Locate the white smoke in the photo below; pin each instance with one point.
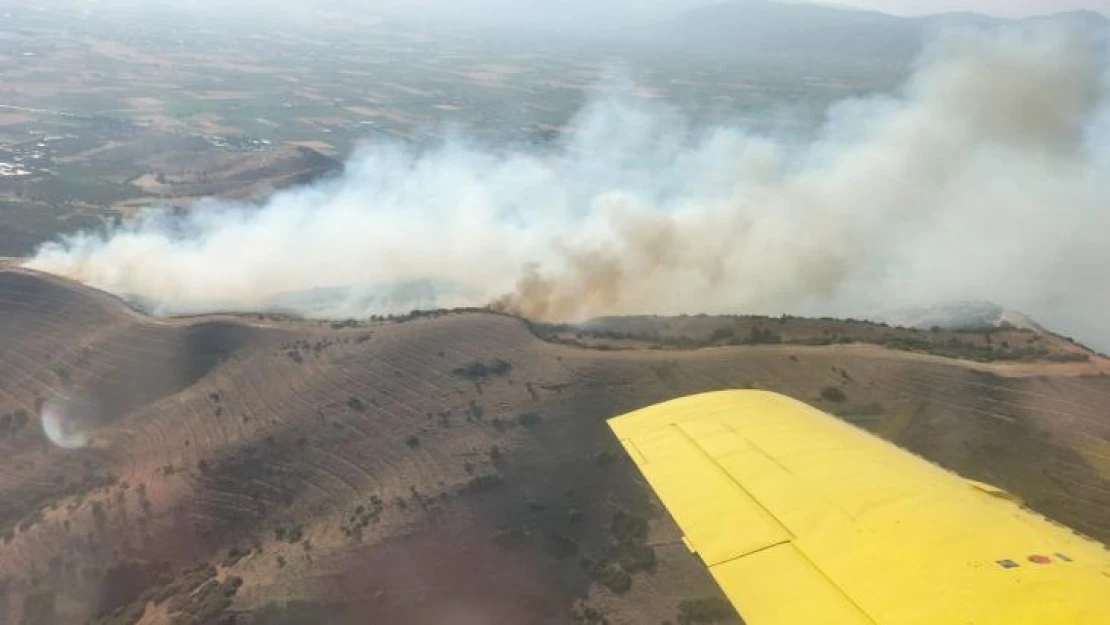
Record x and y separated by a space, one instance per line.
983 178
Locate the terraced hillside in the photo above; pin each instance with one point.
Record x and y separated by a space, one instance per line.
446 468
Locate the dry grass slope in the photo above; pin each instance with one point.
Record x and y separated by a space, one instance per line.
444 468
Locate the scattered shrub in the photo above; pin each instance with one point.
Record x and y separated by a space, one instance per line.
234 555
628 529
560 547
707 610
722 334
1069 357
763 336
605 457
609 575
483 483
635 558
480 371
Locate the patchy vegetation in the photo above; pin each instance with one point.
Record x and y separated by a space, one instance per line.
12 423
706 610
585 614
187 583
872 409
195 596
483 483
513 537
292 535
1004 343
23 510
234 555
1068 357
479 371
496 456
967 350
605 457
628 529
295 613
627 554
608 574
560 546
362 516
529 420
336 482
207 602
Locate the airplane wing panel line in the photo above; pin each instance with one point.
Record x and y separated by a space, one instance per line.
797 552
750 553
804 519
634 451
699 489
732 478
777 586
773 460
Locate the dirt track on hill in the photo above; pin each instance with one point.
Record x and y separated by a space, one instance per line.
355 469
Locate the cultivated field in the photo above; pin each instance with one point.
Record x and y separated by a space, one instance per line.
431 469
102 114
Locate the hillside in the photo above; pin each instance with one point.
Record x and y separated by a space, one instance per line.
446 467
1001 342
236 174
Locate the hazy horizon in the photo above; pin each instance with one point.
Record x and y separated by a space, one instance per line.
994 8
579 14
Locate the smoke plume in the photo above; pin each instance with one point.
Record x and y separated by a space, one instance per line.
983 177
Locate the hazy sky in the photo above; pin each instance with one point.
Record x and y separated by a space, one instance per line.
1007 8
563 13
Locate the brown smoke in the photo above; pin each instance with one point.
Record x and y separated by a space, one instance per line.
982 178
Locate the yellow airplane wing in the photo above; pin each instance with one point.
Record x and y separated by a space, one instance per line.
804 519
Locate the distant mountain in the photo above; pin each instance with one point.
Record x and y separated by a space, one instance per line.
965 18
1093 18
958 316
768 30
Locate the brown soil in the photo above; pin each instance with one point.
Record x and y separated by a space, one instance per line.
372 473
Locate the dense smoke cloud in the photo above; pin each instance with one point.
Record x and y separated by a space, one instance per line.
983 178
